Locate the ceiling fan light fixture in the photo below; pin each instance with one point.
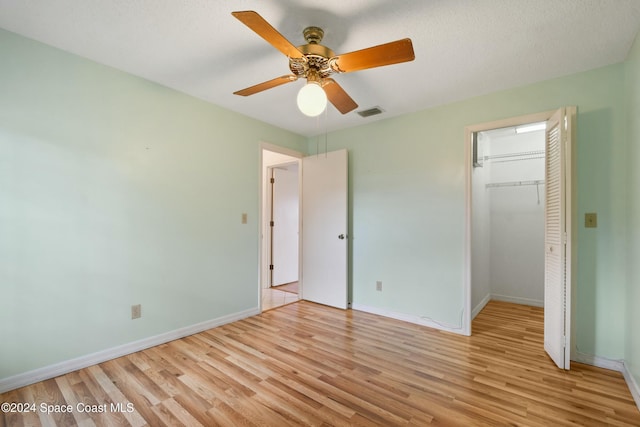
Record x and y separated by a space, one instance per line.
312 99
316 63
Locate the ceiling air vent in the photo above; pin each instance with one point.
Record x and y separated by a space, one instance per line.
370 112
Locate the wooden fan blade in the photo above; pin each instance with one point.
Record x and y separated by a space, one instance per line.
266 85
261 27
338 97
376 56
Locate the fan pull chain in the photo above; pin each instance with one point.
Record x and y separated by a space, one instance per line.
326 125
317 136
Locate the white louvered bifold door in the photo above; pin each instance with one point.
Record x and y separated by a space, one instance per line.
555 277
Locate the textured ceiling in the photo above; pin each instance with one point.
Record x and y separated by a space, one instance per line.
463 48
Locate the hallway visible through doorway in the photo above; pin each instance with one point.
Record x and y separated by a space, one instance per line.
277 296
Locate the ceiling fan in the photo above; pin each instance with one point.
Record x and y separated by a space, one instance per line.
317 63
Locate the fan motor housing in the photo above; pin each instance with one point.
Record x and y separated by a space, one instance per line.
316 49
316 57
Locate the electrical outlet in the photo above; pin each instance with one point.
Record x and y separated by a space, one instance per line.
136 311
244 218
378 285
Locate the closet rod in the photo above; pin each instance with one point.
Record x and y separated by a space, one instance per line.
515 183
514 157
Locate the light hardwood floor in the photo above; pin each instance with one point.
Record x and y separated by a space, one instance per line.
305 364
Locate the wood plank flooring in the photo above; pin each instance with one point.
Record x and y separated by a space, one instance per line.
306 364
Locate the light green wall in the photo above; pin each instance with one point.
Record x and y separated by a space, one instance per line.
632 88
407 185
117 191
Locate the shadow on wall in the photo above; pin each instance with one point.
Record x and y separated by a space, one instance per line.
598 252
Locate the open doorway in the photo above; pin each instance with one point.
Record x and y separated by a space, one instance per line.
493 258
280 225
322 208
508 216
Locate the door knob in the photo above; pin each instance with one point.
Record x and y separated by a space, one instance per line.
341 237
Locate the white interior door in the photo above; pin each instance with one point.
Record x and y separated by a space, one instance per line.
557 272
284 237
324 229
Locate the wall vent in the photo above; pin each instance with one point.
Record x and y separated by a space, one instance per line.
370 112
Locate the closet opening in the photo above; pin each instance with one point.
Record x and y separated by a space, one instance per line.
519 233
508 214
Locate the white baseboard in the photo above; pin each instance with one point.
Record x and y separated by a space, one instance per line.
597 361
518 300
614 365
634 388
57 369
409 318
478 308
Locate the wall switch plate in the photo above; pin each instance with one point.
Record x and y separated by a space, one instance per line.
136 311
591 220
244 218
378 285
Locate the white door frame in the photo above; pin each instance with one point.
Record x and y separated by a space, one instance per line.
262 265
571 205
